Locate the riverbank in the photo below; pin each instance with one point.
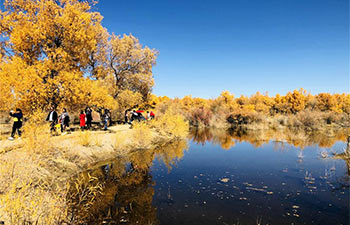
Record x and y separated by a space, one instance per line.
36 170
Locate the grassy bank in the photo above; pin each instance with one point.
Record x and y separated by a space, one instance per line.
36 170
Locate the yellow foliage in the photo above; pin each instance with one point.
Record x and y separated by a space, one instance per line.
32 203
292 102
84 138
128 99
141 136
36 134
131 65
58 53
171 124
216 112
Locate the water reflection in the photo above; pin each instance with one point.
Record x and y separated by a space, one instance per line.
207 185
228 138
121 191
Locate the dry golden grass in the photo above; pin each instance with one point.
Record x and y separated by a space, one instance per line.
120 141
84 138
141 136
32 203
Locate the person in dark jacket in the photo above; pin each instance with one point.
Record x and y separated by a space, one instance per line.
126 116
134 116
64 120
17 123
52 117
88 113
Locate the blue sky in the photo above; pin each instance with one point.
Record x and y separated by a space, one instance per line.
242 46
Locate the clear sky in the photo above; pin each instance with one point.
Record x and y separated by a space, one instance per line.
243 46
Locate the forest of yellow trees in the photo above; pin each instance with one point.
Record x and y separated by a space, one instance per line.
297 109
57 53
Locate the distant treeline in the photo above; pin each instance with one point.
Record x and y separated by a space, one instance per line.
295 109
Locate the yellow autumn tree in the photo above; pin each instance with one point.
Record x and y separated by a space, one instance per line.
292 102
46 47
262 103
326 102
130 66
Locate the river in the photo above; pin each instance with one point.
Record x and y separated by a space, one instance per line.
221 177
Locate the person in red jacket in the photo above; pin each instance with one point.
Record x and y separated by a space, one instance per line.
152 115
82 119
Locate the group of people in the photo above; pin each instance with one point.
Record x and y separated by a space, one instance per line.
131 115
58 121
61 121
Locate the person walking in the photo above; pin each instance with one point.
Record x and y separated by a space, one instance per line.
82 120
64 119
17 123
52 117
88 113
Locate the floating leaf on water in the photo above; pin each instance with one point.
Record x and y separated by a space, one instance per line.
224 180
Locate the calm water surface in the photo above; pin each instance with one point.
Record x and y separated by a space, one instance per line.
227 180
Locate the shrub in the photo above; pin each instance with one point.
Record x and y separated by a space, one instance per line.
141 136
200 116
170 124
36 134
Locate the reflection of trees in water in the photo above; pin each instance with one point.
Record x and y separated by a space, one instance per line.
127 193
227 138
345 181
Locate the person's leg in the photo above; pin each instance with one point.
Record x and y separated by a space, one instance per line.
52 126
105 127
19 130
13 130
